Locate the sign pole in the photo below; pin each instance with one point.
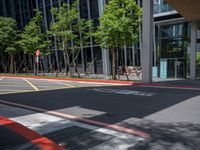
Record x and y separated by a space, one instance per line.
37 53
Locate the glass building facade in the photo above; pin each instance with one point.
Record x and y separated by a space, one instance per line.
20 10
174 40
171 39
161 6
90 57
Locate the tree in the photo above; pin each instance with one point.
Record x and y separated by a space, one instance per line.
67 27
198 58
32 37
8 38
119 26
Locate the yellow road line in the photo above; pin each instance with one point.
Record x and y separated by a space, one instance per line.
33 86
66 84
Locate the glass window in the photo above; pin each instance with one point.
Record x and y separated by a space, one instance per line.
83 9
94 10
172 30
161 6
173 48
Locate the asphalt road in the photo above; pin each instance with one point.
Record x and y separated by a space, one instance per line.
162 112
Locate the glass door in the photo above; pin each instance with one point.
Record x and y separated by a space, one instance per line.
180 68
171 68
176 68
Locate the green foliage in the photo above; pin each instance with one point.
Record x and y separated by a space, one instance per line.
8 35
68 25
198 58
119 24
32 37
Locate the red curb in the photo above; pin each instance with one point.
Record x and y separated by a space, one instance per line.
73 79
32 136
84 120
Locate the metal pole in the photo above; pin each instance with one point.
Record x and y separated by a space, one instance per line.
193 50
105 52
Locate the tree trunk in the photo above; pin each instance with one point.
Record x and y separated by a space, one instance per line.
11 63
65 62
15 65
113 51
4 66
76 69
69 65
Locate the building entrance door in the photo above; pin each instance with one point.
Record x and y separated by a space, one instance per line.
176 68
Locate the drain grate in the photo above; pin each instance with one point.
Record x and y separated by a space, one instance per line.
77 138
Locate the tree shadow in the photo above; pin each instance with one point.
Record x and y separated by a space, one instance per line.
169 136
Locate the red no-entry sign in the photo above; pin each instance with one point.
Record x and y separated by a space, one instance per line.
37 53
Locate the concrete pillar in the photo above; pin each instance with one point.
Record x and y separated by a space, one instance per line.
37 5
91 40
106 62
147 41
193 50
55 41
105 52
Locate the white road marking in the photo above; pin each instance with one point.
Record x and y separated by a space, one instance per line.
44 124
169 87
1 78
124 92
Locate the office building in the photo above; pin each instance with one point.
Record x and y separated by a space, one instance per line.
171 38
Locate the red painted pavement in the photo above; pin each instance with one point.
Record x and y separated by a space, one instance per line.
32 136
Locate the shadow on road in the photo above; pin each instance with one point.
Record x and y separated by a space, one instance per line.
115 107
168 136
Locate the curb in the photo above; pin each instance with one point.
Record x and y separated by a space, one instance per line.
114 82
74 79
30 135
